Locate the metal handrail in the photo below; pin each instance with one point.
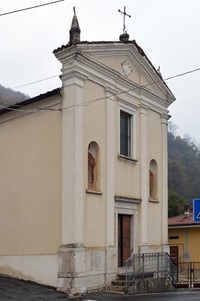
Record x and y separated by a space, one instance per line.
157 265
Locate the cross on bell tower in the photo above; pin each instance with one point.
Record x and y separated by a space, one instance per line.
125 36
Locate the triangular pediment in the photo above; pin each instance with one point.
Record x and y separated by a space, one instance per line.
130 62
125 61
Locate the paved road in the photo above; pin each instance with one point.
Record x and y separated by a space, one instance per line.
17 290
180 295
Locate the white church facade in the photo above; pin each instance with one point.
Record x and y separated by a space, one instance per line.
84 168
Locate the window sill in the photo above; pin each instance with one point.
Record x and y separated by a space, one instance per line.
153 201
125 158
93 192
127 200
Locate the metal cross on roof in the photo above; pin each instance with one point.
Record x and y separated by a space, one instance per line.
74 9
125 14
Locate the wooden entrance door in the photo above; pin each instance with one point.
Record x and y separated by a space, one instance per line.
174 254
124 235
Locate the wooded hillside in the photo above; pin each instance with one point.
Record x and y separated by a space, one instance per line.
183 171
10 97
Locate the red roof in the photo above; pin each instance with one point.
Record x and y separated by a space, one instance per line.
182 220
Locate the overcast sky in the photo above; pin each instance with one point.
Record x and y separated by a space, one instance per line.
167 31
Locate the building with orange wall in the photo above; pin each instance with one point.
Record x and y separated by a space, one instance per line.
184 238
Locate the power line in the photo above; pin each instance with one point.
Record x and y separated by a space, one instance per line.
37 81
27 112
133 89
28 8
20 108
182 74
109 97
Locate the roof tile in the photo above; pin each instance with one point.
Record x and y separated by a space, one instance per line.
182 220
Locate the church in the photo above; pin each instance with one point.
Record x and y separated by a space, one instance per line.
84 168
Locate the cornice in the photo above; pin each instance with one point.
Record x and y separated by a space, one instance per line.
73 78
123 199
131 49
76 62
155 102
93 70
133 52
123 102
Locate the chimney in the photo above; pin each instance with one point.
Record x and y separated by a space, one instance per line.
186 210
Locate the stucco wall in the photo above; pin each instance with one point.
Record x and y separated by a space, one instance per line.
127 174
95 130
30 177
155 153
187 240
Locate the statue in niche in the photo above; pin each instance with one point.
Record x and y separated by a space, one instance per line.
152 185
91 171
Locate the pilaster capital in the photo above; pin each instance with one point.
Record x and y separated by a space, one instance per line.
164 119
73 78
110 92
144 109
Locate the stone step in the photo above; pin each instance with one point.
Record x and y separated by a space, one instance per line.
117 288
121 276
119 282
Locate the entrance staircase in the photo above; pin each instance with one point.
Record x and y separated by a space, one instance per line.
150 272
147 272
119 284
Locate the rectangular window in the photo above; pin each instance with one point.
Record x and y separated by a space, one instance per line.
125 134
174 237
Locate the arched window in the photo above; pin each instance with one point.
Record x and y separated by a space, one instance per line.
93 166
153 180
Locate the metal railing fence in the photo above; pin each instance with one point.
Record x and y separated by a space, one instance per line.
189 274
146 265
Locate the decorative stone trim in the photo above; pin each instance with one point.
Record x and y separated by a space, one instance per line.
125 199
94 192
153 201
127 68
125 158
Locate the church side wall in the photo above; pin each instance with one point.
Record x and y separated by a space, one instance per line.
30 177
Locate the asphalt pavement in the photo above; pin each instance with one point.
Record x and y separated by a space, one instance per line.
12 289
179 295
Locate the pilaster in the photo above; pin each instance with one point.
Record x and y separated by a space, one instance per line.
144 175
72 161
164 123
110 167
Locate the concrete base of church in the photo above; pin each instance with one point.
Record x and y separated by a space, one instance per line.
165 248
145 248
38 268
82 269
